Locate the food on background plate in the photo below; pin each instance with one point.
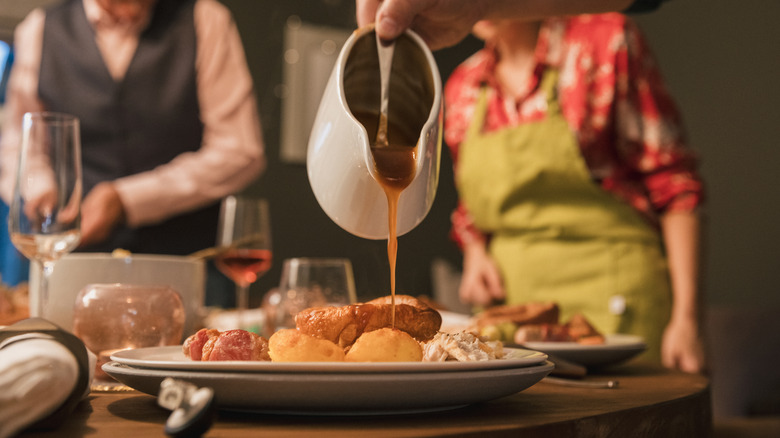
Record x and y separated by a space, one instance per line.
385 345
213 345
14 303
291 345
541 333
417 339
121 253
535 322
519 314
582 331
344 325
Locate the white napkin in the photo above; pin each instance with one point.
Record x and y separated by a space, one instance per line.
37 375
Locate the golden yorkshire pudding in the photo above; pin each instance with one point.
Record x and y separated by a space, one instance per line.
385 345
290 345
343 325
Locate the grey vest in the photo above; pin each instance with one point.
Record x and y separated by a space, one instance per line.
134 125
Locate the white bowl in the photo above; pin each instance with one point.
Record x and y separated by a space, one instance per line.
75 271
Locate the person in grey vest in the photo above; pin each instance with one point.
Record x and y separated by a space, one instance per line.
168 114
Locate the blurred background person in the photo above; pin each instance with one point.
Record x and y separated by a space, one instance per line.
575 181
169 119
444 23
14 267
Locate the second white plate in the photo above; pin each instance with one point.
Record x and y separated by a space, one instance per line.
616 348
343 393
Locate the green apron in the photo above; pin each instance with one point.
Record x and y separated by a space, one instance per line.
558 236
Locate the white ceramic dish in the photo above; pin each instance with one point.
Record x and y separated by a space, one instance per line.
616 348
172 358
315 393
75 271
452 322
339 162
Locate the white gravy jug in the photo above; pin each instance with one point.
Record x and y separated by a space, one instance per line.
340 163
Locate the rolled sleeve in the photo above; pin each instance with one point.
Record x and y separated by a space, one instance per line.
652 136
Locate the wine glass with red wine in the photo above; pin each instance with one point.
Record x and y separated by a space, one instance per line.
244 239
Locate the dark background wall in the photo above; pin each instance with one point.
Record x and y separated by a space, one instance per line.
720 61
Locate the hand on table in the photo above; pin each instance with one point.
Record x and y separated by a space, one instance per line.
481 283
40 205
682 347
101 212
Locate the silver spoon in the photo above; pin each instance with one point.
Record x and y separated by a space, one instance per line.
385 51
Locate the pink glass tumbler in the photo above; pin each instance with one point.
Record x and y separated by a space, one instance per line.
114 317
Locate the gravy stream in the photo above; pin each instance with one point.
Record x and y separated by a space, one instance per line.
395 165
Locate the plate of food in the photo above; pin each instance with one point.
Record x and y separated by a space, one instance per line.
537 326
615 349
366 358
326 393
351 339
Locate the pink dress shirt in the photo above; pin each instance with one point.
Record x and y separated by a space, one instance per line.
231 155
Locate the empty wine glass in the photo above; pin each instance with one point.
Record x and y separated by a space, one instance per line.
309 282
244 242
45 213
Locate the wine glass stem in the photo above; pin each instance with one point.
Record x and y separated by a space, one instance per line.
43 287
242 302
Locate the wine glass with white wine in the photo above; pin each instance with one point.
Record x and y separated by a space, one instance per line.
45 213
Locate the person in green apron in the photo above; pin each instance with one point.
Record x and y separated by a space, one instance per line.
575 183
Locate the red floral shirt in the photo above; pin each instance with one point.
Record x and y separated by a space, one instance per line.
614 99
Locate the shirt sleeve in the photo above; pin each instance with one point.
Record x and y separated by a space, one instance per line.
651 137
232 153
21 97
463 229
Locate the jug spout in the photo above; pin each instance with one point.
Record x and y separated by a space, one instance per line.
345 174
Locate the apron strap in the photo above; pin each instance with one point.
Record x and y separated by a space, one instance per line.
549 85
480 110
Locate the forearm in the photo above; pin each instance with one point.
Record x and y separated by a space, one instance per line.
488 9
537 9
190 181
683 341
443 23
681 236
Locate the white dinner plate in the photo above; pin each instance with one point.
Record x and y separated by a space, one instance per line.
327 393
172 358
615 349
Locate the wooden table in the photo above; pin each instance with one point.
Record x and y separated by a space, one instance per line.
649 402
